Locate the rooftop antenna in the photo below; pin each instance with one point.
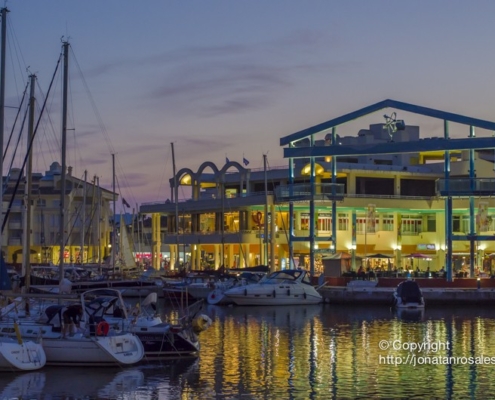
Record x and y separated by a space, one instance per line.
392 124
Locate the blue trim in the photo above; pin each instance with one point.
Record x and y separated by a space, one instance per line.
429 112
417 146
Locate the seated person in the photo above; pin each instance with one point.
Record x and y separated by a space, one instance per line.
71 317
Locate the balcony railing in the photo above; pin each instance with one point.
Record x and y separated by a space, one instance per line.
303 191
465 187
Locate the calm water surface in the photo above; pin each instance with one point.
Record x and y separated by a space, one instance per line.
300 352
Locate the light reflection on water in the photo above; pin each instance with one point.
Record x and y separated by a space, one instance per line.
300 352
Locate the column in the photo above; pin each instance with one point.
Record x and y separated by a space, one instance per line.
198 256
173 257
217 256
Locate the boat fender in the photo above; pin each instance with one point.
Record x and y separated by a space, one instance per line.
201 323
304 295
102 328
274 294
245 292
288 292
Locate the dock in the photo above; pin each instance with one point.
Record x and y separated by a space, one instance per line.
378 293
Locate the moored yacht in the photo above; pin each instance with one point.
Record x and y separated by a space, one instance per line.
160 339
408 294
20 355
286 287
93 344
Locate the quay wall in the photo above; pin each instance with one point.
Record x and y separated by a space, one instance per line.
422 282
365 295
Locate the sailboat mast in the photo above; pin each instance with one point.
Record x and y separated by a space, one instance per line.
114 241
176 200
3 12
83 218
265 238
64 161
98 214
26 249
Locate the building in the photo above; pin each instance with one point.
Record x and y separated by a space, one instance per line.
423 203
92 220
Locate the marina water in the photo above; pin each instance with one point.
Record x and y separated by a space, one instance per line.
300 352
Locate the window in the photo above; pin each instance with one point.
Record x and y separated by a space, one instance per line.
460 223
41 202
54 220
343 222
15 218
431 223
362 225
304 221
412 224
387 222
324 222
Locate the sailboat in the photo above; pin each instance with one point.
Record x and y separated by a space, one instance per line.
161 340
21 356
17 354
94 344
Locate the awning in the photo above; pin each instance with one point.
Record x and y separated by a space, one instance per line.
379 255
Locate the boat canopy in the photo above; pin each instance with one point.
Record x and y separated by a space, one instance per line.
409 290
288 275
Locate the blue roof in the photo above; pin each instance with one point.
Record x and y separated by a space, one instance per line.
429 112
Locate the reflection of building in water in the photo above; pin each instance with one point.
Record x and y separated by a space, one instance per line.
323 352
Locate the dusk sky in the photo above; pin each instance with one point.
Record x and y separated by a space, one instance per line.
229 78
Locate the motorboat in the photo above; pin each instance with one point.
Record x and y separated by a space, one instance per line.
285 287
20 355
408 294
195 286
93 344
160 339
217 295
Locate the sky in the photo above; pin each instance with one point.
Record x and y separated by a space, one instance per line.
228 79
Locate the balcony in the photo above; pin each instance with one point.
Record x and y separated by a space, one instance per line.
15 225
465 187
299 192
208 205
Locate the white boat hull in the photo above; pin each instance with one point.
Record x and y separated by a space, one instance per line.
410 305
277 295
94 351
79 349
217 297
28 356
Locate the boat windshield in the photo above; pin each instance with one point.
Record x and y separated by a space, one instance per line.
280 276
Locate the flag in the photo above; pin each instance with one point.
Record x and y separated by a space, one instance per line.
227 160
125 203
245 161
